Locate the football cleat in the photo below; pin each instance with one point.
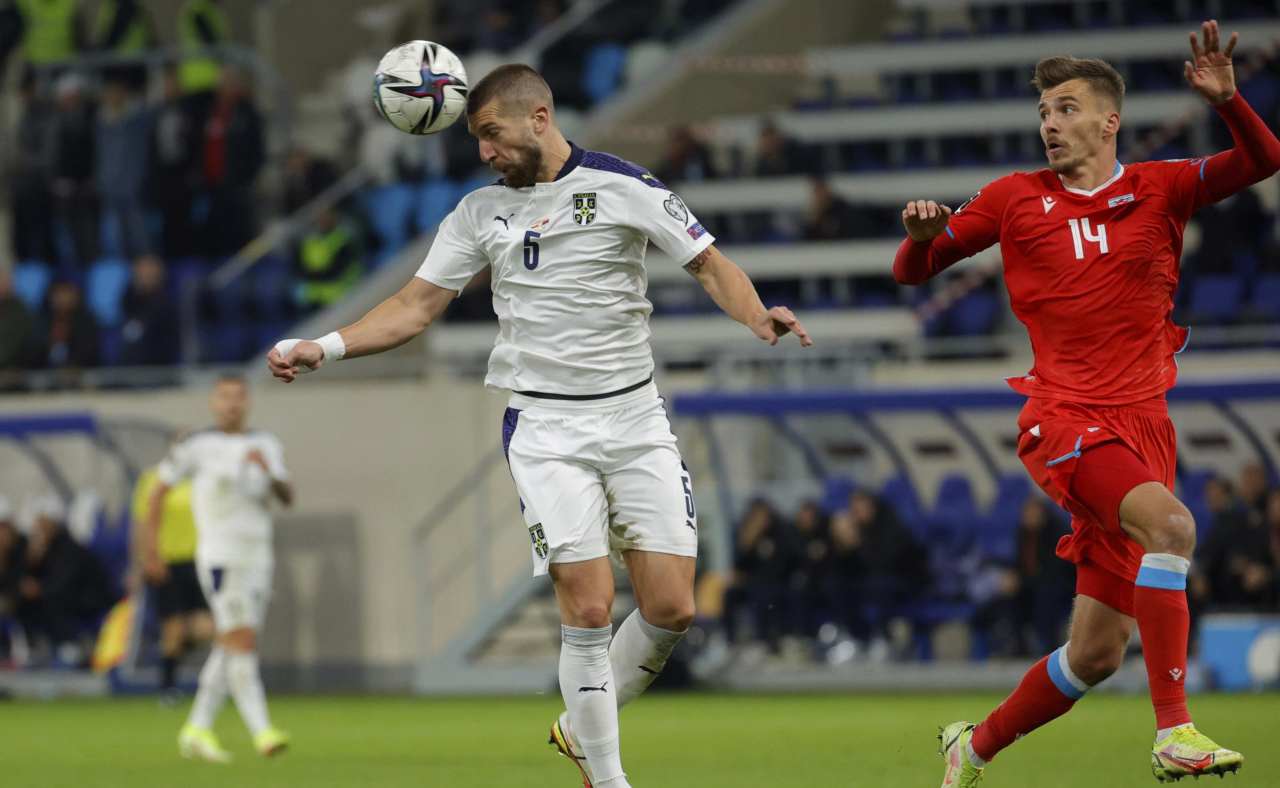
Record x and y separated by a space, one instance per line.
953 746
1188 752
271 742
562 739
199 744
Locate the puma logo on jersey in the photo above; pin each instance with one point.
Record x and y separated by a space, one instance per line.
1048 203
600 688
504 221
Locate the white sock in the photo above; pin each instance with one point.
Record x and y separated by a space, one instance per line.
1163 732
586 683
973 756
212 690
638 654
246 689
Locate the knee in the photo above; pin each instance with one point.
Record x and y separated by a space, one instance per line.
238 641
1175 533
1093 663
674 614
592 615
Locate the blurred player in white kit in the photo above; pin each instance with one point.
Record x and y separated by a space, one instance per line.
235 473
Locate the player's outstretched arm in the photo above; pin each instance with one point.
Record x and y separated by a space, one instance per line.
916 261
732 290
152 567
1256 154
388 325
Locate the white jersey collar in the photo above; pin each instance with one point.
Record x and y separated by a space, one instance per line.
1115 176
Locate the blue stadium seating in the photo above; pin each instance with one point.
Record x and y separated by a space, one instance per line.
1265 304
30 281
104 288
602 72
272 291
433 202
1216 298
898 493
389 209
974 314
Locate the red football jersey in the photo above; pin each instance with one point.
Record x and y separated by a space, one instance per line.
1092 274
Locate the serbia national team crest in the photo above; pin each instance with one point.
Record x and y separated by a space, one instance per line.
584 207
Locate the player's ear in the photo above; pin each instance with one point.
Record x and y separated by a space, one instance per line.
1111 122
541 119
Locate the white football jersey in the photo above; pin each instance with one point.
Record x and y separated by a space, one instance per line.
568 273
229 494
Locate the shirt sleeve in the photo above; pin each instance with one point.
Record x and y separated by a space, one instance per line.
455 255
178 464
273 452
662 217
1194 183
973 227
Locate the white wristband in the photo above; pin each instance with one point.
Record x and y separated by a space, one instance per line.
333 346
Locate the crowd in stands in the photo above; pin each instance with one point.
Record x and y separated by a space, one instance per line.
54 586
835 573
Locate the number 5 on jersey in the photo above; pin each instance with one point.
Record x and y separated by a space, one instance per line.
1082 232
531 249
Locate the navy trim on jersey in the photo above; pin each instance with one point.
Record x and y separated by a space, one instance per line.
586 397
607 162
571 164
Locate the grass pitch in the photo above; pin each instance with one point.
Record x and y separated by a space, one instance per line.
670 741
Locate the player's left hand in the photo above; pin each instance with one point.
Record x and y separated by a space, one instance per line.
1209 70
778 322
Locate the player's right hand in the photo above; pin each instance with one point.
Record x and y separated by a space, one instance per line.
925 219
292 357
155 570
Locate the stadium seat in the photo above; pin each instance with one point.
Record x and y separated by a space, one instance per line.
104 288
271 293
997 536
389 208
974 315
1216 298
603 70
30 281
899 493
433 202
1265 304
835 493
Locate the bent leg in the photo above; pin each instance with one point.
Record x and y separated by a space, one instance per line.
663 585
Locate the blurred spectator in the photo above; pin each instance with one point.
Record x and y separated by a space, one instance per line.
32 170
177 129
233 155
1029 604
201 24
17 332
52 32
1253 487
64 588
777 154
832 218
13 549
306 175
124 27
121 160
329 260
877 565
151 332
761 564
812 549
687 159
1237 557
1236 226
74 130
69 333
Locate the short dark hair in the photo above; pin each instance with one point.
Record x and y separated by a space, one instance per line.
1102 78
515 84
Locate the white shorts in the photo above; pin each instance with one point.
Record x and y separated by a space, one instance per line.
237 594
599 477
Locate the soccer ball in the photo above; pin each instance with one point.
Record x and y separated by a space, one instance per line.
420 87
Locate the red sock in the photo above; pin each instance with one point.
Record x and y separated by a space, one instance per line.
1160 605
1046 692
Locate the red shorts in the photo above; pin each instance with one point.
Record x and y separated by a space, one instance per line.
1087 458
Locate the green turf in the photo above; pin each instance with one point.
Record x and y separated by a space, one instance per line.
669 741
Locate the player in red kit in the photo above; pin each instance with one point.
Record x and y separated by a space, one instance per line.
1091 249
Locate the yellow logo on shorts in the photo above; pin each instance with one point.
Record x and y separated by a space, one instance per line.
539 539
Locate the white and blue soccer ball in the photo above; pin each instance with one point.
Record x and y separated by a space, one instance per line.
420 87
